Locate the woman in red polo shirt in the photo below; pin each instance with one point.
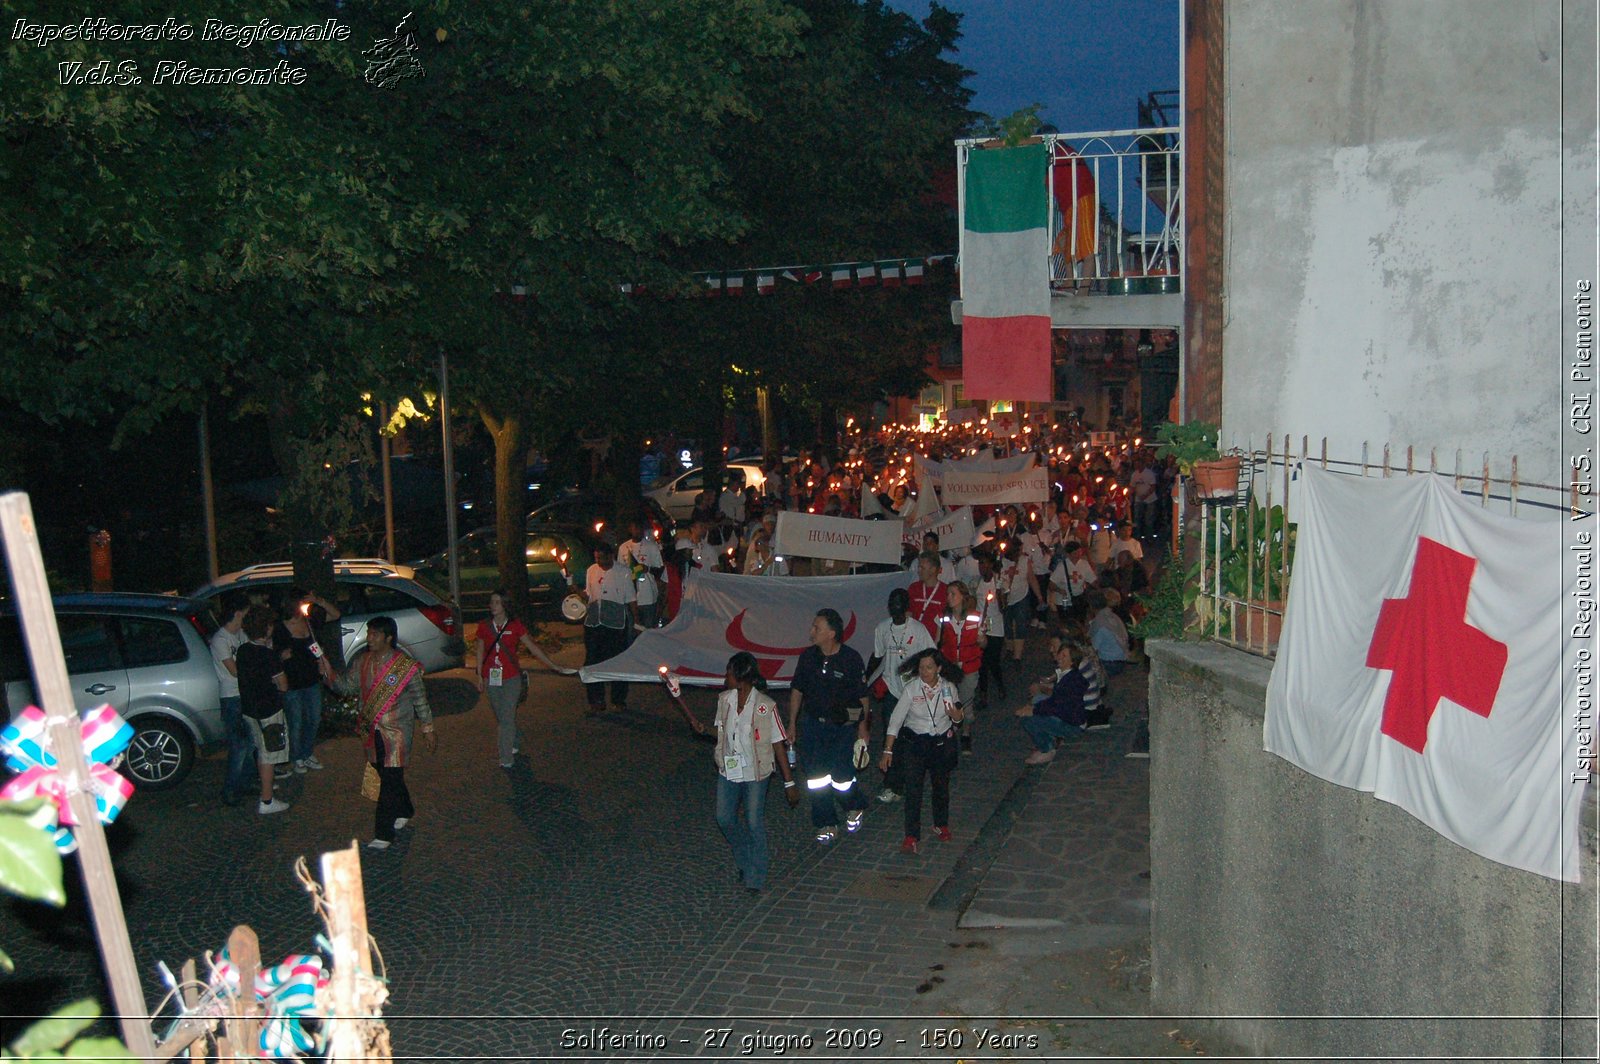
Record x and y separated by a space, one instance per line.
500 673
961 640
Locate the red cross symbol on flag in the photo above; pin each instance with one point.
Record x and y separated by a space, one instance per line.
1425 640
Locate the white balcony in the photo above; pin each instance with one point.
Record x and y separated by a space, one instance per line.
1115 221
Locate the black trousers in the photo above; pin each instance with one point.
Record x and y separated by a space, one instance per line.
394 800
600 644
993 655
920 760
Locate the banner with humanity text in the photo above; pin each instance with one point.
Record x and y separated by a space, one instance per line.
845 539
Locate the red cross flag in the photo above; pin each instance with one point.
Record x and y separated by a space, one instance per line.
1421 660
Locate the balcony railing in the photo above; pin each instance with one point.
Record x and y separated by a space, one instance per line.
1115 210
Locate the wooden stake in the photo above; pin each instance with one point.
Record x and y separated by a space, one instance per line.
355 1025
244 1026
43 639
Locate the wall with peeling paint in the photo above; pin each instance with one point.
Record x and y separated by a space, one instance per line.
1394 227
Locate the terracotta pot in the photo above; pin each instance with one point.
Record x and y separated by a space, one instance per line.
1218 479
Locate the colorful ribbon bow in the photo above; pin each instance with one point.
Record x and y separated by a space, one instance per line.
289 994
105 735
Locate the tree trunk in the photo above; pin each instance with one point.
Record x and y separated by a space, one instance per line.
510 506
716 414
770 445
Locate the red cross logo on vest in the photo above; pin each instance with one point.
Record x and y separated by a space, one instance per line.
1424 639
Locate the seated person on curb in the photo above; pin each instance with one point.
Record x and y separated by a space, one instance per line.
1058 712
1107 631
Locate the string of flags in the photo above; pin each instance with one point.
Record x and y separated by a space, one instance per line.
763 281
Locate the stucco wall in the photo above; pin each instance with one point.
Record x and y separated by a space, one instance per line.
1394 222
1277 894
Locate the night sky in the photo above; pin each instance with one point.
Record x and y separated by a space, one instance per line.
1087 61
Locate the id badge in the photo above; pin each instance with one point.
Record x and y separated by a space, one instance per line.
733 763
495 674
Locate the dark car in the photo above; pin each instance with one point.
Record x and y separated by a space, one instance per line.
594 513
148 658
557 557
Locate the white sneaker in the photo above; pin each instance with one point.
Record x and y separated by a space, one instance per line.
313 764
852 821
888 797
299 768
378 844
401 821
827 835
274 806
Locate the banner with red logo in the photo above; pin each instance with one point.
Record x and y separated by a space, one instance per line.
770 616
1421 660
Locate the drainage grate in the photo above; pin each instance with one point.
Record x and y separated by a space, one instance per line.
893 886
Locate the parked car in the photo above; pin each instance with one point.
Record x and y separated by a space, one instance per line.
594 513
429 626
148 658
677 495
557 557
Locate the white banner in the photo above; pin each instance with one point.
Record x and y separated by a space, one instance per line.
845 539
770 616
1421 660
954 529
986 489
929 471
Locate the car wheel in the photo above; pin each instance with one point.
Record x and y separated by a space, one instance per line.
160 755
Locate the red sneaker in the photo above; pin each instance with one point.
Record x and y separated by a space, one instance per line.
908 845
943 833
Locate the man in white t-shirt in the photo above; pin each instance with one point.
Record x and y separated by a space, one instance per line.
608 587
1126 544
642 555
239 776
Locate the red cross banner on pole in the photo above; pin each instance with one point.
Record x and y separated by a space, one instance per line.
1421 660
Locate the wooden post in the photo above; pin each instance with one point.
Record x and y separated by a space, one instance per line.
65 741
354 995
244 1026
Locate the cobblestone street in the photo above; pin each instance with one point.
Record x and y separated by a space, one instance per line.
588 888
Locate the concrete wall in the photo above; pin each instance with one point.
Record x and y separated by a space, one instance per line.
1277 894
1394 218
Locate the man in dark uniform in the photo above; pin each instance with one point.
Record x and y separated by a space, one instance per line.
830 683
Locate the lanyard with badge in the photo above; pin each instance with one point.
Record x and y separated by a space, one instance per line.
496 673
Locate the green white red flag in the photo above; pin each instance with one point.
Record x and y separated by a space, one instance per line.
1005 275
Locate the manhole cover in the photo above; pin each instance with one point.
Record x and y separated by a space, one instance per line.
893 886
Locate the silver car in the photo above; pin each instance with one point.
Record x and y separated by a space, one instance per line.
148 658
429 627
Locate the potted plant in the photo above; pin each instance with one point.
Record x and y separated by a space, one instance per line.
1249 562
1194 445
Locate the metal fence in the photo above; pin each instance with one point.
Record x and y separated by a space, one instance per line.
1115 210
1241 583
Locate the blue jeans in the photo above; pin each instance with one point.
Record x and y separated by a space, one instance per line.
824 753
302 710
1044 731
748 838
241 776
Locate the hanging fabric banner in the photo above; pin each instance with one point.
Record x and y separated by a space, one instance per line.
1421 660
1005 275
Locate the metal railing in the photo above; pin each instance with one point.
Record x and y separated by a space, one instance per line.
1115 210
1248 542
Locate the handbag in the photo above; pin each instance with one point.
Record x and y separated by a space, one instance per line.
370 783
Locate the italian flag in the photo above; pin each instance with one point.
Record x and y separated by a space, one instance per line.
1005 275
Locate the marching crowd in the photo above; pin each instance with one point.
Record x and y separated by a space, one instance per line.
1072 566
